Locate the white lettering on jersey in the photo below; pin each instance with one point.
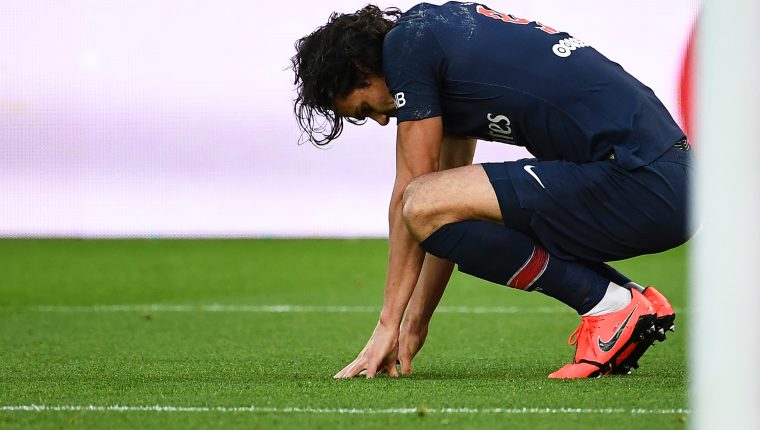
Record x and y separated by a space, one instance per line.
499 128
399 99
566 46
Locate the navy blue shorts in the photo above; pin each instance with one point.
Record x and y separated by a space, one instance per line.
597 211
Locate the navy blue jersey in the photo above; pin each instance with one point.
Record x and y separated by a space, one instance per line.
493 76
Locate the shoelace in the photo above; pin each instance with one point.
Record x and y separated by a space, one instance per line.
585 326
573 339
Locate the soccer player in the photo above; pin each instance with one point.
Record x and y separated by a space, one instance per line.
609 181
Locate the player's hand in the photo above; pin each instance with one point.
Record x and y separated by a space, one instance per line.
410 342
379 355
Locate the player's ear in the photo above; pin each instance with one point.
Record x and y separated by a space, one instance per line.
365 74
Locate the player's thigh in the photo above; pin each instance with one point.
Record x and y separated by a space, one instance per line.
459 194
595 211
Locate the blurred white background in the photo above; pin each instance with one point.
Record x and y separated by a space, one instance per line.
174 118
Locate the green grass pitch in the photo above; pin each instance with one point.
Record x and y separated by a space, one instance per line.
73 334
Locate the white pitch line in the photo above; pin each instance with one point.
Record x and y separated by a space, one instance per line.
288 309
343 411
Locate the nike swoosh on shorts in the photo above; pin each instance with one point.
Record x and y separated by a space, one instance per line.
529 168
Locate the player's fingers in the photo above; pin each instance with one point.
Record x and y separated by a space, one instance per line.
392 370
342 371
353 369
406 366
372 367
348 373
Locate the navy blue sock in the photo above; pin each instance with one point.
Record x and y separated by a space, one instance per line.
609 272
508 257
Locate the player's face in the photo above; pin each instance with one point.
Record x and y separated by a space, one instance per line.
370 101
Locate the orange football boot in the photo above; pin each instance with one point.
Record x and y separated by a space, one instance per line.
604 342
665 313
664 322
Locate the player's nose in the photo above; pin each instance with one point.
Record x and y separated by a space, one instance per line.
380 118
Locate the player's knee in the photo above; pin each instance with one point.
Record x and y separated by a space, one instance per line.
424 208
416 208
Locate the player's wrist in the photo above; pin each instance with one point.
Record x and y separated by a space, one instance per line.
389 322
413 324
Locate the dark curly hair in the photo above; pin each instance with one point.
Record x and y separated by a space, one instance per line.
333 61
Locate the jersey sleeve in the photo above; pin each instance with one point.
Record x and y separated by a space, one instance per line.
413 66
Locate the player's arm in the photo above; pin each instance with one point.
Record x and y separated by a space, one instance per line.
418 148
417 153
436 272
